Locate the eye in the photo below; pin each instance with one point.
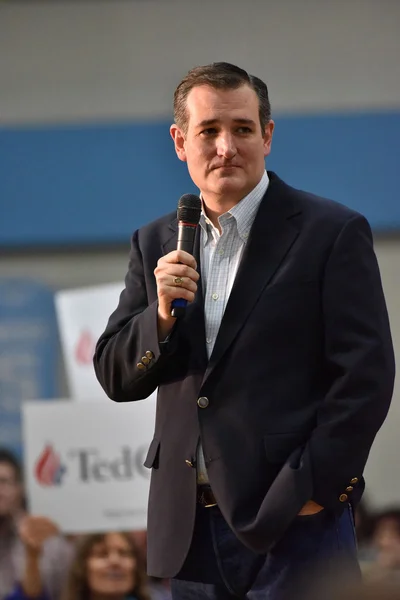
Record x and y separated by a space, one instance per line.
99 553
244 129
126 554
209 131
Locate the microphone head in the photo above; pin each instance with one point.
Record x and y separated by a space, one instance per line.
189 209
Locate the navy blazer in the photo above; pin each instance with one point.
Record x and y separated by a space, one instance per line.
299 381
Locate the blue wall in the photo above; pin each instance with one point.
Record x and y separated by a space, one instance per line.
95 184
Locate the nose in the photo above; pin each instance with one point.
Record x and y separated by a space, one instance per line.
226 146
114 558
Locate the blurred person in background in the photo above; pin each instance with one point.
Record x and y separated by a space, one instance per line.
273 385
107 566
386 543
32 553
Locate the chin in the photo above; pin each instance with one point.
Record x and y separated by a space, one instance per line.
117 589
232 185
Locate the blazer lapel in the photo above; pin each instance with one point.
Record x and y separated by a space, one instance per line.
271 238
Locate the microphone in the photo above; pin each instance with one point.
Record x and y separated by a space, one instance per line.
189 211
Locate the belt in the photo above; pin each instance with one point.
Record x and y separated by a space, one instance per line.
205 496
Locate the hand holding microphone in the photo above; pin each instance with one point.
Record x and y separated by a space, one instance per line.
176 274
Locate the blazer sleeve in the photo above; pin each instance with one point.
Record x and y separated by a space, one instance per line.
128 358
359 360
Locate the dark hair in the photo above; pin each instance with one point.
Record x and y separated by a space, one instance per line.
8 458
77 584
391 514
220 75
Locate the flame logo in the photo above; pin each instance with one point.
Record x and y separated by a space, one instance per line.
85 347
48 469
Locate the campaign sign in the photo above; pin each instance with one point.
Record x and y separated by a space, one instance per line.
28 352
84 463
82 317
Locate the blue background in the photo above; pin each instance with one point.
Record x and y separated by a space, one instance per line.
28 352
96 183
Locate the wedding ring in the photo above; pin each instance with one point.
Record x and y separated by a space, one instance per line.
178 281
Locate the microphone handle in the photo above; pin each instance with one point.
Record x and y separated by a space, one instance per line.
186 237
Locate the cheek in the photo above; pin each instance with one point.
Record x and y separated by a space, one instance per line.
199 154
8 499
14 496
130 569
94 572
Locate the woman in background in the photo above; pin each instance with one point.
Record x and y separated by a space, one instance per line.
105 566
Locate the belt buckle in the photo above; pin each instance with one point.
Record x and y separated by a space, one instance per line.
203 499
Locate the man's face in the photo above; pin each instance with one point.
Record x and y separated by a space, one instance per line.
224 146
10 491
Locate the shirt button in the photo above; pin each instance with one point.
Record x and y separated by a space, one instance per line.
203 402
208 340
220 252
215 296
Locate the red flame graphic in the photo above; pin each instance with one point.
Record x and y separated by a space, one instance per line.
85 347
47 466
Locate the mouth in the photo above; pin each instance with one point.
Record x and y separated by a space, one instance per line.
115 576
226 167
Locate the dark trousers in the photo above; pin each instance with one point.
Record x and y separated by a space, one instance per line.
220 567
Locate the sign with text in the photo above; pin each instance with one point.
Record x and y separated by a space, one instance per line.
84 463
82 317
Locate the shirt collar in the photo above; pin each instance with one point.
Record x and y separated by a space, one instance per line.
244 212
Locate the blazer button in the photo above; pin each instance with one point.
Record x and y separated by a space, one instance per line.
145 360
203 402
350 488
189 463
149 354
354 480
343 497
140 366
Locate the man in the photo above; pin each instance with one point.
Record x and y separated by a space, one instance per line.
273 385
32 555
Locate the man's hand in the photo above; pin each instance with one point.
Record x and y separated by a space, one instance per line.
34 531
310 508
176 277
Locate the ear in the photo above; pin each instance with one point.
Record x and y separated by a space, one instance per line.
269 130
179 141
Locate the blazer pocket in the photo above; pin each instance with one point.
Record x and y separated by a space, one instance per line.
279 446
153 454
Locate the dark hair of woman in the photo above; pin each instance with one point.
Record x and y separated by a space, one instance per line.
93 547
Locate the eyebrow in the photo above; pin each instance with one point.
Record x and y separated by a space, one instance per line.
209 122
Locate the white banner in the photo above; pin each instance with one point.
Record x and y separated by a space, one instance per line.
84 463
82 317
